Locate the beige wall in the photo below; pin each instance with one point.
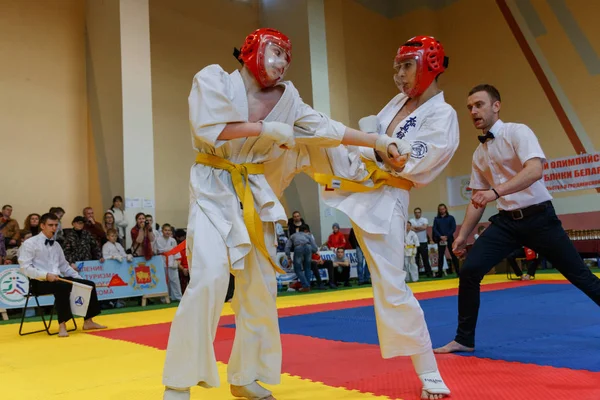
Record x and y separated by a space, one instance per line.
43 106
186 36
477 54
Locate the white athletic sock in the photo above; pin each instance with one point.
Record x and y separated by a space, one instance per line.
424 362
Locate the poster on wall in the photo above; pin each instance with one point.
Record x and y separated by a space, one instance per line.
572 173
565 174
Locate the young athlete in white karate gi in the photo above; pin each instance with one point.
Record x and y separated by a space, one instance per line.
427 125
243 126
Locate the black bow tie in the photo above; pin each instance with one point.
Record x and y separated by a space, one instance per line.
484 138
49 241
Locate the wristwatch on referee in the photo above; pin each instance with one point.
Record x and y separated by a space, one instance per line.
496 193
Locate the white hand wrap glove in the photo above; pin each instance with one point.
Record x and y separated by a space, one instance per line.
369 124
384 141
280 133
129 257
119 259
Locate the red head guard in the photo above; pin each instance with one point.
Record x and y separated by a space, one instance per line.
431 61
252 54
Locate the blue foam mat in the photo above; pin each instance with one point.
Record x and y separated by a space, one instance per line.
544 324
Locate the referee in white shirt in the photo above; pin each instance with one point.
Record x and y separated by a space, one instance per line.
43 261
508 168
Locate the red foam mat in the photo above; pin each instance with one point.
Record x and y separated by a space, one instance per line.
360 367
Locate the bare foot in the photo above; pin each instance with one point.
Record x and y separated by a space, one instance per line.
453 347
433 386
90 325
252 391
62 330
429 396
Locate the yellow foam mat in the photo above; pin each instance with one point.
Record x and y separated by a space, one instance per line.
42 367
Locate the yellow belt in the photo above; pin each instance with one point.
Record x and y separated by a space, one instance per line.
239 176
378 176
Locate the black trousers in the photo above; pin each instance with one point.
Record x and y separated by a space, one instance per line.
520 253
442 255
61 292
328 265
423 253
543 233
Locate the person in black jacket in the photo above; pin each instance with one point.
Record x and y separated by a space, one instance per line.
444 226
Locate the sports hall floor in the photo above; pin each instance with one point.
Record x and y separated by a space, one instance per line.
536 340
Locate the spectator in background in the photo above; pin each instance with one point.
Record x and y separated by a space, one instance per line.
10 229
31 224
59 235
113 250
93 227
80 245
184 273
362 269
304 246
419 226
164 243
444 226
318 263
341 265
142 237
295 223
336 239
119 219
411 244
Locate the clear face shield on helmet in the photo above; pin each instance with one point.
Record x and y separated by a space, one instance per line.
406 73
275 58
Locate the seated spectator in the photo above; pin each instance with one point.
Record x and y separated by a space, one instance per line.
304 246
164 243
341 265
44 264
318 263
2 249
94 228
112 250
31 225
10 229
80 245
336 239
108 222
142 237
59 235
531 259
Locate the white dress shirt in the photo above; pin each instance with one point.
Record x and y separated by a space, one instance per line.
500 159
36 259
422 235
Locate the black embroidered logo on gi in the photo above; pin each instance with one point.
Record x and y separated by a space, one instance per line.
419 149
410 123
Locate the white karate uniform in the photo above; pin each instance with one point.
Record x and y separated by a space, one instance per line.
113 251
163 245
217 237
379 216
410 264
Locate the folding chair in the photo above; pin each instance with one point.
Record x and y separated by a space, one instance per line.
46 326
